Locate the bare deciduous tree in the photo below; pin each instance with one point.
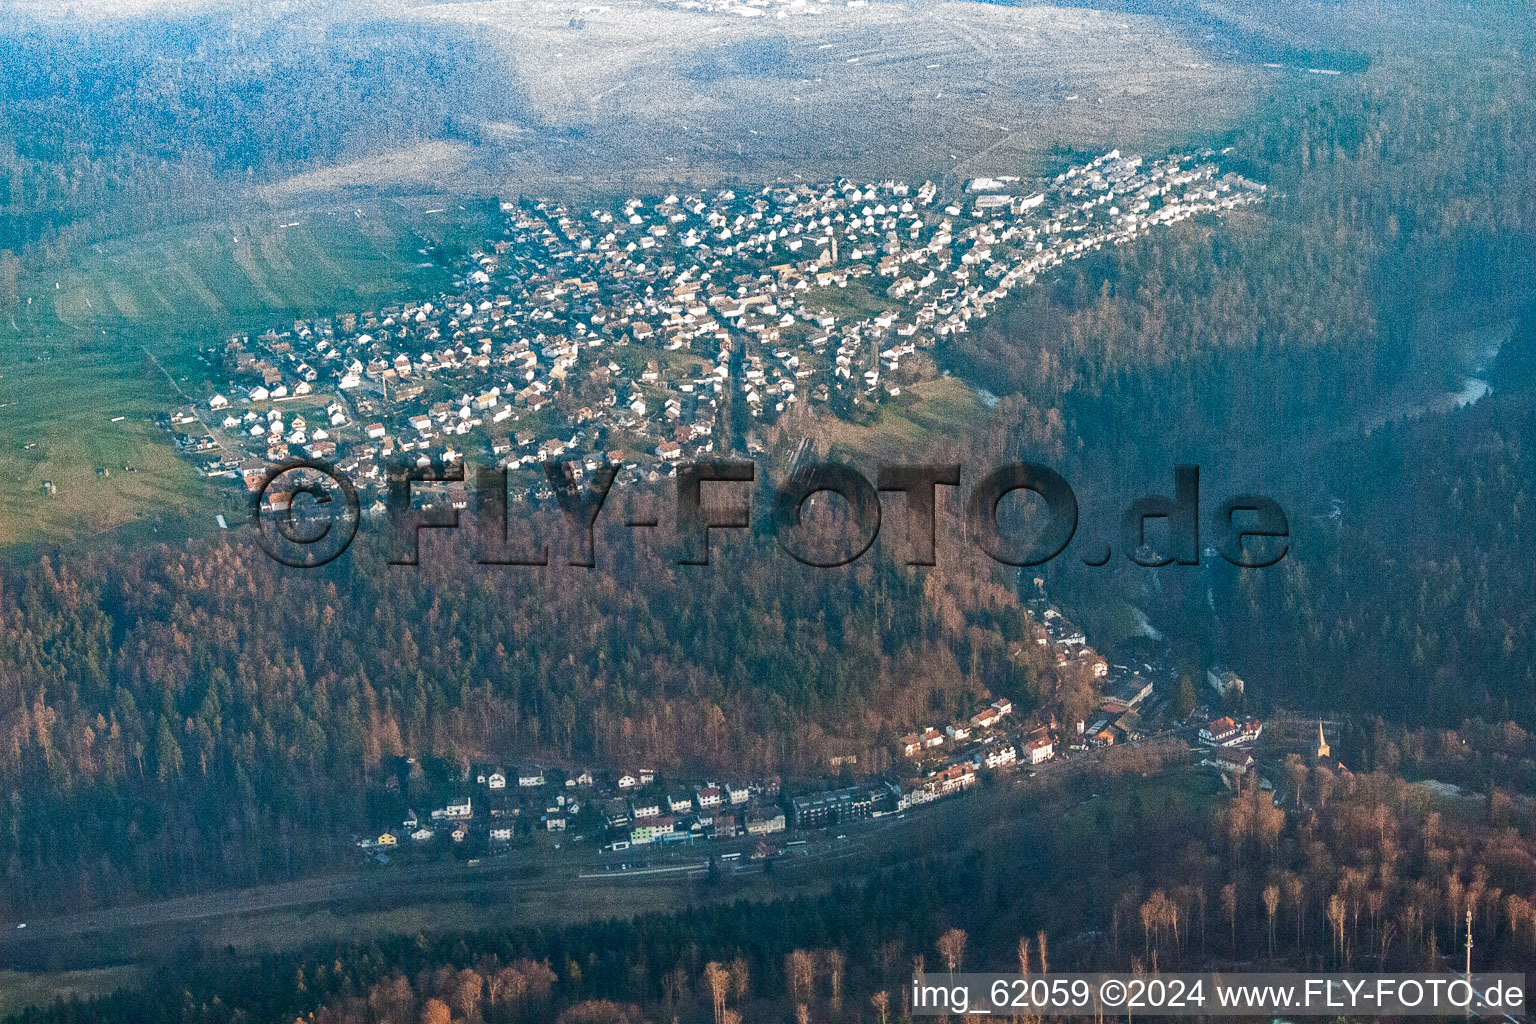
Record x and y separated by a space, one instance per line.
1229 907
740 979
719 981
800 972
1336 914
836 963
465 993
1271 904
951 947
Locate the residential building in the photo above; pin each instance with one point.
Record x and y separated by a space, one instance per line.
761 821
651 830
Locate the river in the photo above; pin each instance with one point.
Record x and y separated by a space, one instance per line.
1474 386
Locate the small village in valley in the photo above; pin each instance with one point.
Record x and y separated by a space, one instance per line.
627 814
677 327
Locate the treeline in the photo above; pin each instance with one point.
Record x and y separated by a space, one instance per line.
181 718
1357 872
109 125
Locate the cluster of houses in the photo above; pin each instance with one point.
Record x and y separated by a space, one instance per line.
1126 690
1229 740
619 333
991 739
631 808
1129 708
634 808
708 810
984 729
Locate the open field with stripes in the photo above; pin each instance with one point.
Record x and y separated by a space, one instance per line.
79 390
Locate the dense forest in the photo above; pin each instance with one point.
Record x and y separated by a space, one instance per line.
1416 600
1399 224
1357 872
184 718
1296 351
109 126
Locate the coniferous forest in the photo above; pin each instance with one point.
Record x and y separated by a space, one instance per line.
183 719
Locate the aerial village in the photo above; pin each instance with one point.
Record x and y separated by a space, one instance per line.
636 335
626 810
645 333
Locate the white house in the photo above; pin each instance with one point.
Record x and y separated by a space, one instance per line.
496 780
1001 756
1218 732
765 821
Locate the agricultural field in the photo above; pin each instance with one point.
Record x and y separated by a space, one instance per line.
227 274
81 419
101 344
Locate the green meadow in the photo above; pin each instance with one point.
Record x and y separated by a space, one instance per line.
98 345
924 419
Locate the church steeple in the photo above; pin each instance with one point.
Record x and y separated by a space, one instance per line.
1322 744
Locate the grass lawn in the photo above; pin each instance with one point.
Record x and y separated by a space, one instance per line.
934 411
250 270
73 359
56 424
851 302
